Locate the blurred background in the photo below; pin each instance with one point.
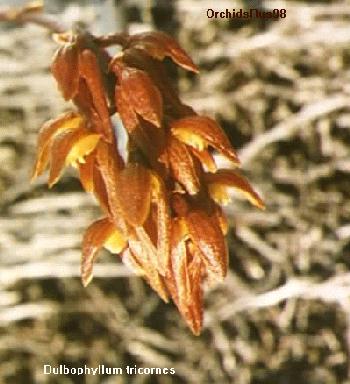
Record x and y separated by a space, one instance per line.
281 90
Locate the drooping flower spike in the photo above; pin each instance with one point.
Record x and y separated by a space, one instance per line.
161 203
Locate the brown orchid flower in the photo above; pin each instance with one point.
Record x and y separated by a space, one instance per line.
162 202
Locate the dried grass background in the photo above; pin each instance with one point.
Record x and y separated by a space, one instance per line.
281 90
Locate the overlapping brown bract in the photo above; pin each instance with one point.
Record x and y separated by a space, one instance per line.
160 205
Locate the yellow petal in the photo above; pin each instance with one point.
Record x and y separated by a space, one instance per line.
222 220
60 148
115 242
191 139
82 148
94 238
86 172
69 147
219 193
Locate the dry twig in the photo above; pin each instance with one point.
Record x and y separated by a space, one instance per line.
289 127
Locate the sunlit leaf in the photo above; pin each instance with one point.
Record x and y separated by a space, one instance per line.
206 158
134 193
206 235
221 219
110 165
187 274
84 101
139 92
150 140
126 112
195 318
89 69
132 262
148 267
100 190
159 45
179 264
172 104
179 204
163 223
64 67
69 120
201 131
229 178
183 164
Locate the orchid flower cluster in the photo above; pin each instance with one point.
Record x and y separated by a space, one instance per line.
161 203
